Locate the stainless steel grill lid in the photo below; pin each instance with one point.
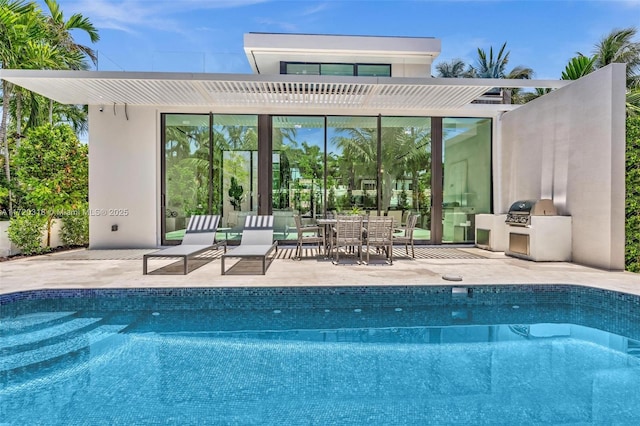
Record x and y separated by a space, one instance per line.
521 211
543 207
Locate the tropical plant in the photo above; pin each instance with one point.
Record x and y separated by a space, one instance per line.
235 193
616 47
632 251
452 69
29 39
25 231
488 66
52 167
619 47
18 30
75 227
579 66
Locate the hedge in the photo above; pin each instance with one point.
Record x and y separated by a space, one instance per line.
632 223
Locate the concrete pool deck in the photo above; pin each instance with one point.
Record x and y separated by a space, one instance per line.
123 269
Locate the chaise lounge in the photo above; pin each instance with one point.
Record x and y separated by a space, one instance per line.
200 236
256 243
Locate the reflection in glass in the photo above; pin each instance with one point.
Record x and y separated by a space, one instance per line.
336 69
236 142
406 171
466 176
186 159
365 70
352 158
306 69
298 171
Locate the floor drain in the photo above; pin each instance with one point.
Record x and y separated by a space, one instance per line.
357 310
398 309
277 311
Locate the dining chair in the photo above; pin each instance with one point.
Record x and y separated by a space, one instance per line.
379 234
312 234
348 234
406 237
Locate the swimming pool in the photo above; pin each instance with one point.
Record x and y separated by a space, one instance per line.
316 355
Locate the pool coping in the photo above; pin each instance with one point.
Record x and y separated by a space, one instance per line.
30 274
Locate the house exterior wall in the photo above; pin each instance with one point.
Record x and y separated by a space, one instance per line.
569 145
410 70
408 56
123 177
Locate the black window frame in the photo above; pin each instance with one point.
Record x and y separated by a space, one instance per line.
356 65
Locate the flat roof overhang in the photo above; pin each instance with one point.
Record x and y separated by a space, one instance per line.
265 51
268 93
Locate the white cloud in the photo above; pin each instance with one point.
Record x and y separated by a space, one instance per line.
315 9
134 15
283 25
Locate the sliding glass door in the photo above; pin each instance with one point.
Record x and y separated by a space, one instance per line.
466 164
186 171
209 166
339 164
298 171
406 171
352 164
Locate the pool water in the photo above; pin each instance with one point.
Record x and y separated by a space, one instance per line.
402 361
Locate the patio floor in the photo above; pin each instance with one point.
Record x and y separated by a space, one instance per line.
123 269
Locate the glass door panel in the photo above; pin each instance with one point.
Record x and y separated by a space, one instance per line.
186 177
352 163
236 146
298 171
466 151
406 171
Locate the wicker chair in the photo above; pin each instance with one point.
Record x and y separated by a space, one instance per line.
380 235
347 233
407 237
316 237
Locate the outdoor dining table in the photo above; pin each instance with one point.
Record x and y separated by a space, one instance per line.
328 223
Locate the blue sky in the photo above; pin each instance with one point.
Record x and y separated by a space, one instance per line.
207 35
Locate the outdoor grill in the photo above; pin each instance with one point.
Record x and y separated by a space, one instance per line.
520 212
536 232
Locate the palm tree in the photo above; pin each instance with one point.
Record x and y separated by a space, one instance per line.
490 67
579 66
20 37
452 69
618 47
529 96
495 66
28 40
59 34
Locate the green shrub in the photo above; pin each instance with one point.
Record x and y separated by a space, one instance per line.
75 229
632 223
25 231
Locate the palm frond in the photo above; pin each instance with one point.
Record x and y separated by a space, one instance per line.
578 66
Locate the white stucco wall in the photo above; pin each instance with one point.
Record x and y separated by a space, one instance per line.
123 170
410 70
570 146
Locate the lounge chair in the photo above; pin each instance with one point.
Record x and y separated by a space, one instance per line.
200 236
257 241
